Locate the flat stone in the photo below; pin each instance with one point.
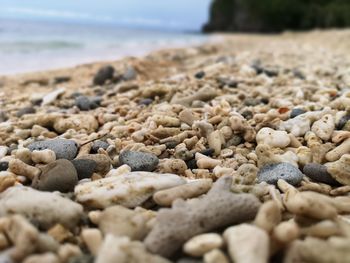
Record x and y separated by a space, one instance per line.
139 161
84 167
99 144
63 148
318 172
129 74
271 173
129 190
295 112
103 162
43 208
25 110
59 175
83 103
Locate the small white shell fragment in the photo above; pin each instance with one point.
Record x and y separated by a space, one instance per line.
129 190
324 127
273 138
52 96
201 244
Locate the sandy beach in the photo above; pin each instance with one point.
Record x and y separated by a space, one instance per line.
237 150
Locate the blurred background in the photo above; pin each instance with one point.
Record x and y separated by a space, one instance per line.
37 35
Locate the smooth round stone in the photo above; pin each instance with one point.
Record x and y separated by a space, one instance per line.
99 144
146 101
83 103
139 161
295 112
199 75
4 166
271 173
25 110
318 173
85 167
63 148
105 73
129 74
59 175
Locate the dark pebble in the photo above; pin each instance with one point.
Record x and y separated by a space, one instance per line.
342 122
192 164
271 173
318 173
3 116
298 74
99 144
227 82
171 144
25 110
251 102
146 101
129 74
83 103
103 74
247 114
265 100
82 259
295 112
84 167
208 152
63 148
199 74
59 175
4 166
139 161
61 79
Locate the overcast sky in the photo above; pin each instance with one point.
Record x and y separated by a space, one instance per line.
175 14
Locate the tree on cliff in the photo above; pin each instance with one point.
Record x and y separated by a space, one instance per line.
277 15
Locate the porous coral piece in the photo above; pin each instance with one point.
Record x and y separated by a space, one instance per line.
76 122
340 170
324 127
273 138
186 219
41 207
122 250
335 154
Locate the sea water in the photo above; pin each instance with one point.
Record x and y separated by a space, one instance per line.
27 46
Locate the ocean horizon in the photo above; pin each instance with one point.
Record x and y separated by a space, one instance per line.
29 46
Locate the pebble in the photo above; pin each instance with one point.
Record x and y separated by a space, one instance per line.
59 175
146 101
247 243
44 208
199 74
197 246
318 173
84 167
271 173
342 122
295 112
52 96
4 166
130 189
129 74
139 161
63 148
103 74
99 144
25 110
85 103
82 259
103 162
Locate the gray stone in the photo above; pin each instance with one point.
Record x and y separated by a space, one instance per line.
83 103
105 73
139 161
99 144
63 148
25 110
271 173
85 167
295 112
318 173
59 175
82 259
129 74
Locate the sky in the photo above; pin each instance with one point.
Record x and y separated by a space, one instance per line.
162 14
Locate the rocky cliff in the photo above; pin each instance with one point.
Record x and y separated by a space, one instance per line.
277 15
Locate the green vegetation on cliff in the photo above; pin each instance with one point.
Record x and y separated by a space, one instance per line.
277 15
